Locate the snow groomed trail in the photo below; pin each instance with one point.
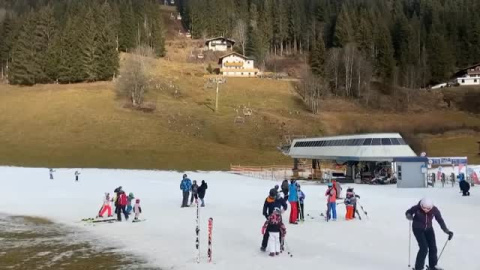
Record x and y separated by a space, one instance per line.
167 239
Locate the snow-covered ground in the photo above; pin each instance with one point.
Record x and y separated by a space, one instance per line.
167 238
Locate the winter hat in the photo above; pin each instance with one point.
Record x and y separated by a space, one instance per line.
273 193
185 176
137 201
426 204
330 184
276 187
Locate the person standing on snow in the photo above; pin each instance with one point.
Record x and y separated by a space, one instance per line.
129 202
421 216
293 200
201 192
274 200
331 194
106 207
351 198
51 171
137 209
301 198
122 204
194 192
185 186
275 228
285 188
76 176
115 197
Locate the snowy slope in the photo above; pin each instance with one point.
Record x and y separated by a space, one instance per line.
167 238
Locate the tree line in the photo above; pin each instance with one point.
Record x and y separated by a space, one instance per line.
410 43
74 41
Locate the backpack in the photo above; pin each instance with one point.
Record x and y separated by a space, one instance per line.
285 185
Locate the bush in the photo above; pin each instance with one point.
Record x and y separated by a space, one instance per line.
471 102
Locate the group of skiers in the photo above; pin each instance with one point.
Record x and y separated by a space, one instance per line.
51 171
192 190
123 204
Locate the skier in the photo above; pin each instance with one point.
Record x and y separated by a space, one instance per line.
122 204
331 194
106 207
201 192
185 186
422 215
137 209
301 198
352 197
274 200
115 197
274 227
293 200
285 188
464 185
129 202
338 188
194 192
51 171
76 176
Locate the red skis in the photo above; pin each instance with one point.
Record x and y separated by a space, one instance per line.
210 228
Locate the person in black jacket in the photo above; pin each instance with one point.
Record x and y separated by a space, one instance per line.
421 216
274 200
201 192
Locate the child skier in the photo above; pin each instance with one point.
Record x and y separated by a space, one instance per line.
51 171
129 202
137 209
301 198
106 206
272 202
274 227
421 216
121 205
76 176
194 190
351 199
331 194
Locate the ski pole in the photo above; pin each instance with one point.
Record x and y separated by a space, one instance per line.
288 248
444 246
363 210
409 243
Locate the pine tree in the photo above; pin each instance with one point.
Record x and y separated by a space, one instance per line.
385 61
44 33
7 36
23 68
344 28
106 55
317 57
127 28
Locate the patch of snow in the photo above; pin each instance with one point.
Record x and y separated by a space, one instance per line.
167 238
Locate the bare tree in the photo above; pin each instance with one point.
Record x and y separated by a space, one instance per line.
349 55
333 67
134 80
240 34
312 88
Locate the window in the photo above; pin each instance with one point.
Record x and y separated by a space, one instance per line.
401 141
386 141
475 80
395 141
399 172
367 142
463 81
377 141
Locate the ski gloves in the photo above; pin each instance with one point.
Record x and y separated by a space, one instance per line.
450 235
409 217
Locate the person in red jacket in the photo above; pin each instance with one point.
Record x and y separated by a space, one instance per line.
122 204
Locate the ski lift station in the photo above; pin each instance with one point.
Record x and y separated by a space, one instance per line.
380 158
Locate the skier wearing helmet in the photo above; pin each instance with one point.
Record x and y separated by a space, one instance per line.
421 216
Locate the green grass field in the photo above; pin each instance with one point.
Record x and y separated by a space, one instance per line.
86 125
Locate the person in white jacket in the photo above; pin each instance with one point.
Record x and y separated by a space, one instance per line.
137 209
106 206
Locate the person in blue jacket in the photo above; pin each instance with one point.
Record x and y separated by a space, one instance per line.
185 186
293 200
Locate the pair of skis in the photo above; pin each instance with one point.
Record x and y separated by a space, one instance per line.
197 241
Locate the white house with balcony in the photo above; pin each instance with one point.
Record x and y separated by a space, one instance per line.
219 44
469 76
237 65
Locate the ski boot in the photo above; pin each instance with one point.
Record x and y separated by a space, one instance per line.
263 249
271 254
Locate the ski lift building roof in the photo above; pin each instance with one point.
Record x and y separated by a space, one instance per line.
364 147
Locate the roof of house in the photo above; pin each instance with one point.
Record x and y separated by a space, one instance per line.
465 70
233 53
362 147
223 38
